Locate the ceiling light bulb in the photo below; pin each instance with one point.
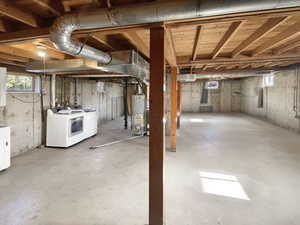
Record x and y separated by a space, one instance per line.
41 53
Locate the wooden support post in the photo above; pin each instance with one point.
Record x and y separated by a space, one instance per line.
178 104
173 107
125 90
157 126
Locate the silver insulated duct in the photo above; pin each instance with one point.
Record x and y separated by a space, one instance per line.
157 11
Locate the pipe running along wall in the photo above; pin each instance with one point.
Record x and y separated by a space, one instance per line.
157 11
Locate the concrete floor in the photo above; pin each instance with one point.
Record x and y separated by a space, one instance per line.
228 170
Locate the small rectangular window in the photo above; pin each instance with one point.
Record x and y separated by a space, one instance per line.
268 81
20 83
212 85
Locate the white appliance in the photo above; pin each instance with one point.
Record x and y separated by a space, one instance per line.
138 114
4 147
68 127
90 123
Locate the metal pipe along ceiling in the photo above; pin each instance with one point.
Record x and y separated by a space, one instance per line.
153 12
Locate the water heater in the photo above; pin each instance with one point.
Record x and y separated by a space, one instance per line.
138 114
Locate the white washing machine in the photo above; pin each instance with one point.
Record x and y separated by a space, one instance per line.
68 127
90 123
64 129
4 147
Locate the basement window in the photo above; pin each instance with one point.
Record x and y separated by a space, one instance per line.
21 83
268 81
212 85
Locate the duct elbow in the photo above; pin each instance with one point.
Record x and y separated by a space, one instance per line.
61 35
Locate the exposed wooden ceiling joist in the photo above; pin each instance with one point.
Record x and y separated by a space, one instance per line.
242 60
233 28
54 6
266 28
196 43
13 63
18 52
13 57
138 42
278 39
103 40
2 26
290 45
11 11
33 49
170 51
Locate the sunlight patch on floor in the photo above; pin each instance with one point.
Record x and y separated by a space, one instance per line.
222 185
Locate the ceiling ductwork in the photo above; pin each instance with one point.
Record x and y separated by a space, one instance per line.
157 11
68 65
127 62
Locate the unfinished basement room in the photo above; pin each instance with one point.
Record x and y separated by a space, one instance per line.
149 112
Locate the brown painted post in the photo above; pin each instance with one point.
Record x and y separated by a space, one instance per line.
157 126
178 104
173 107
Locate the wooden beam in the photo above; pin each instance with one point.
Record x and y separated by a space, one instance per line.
291 45
196 43
278 39
265 29
244 66
157 126
170 51
137 41
173 95
19 52
44 33
226 71
54 6
219 67
233 28
2 26
13 63
204 67
103 40
54 54
11 11
178 104
27 35
240 60
13 57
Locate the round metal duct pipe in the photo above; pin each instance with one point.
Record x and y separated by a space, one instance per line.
157 11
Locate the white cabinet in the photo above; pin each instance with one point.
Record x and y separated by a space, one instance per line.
4 148
2 86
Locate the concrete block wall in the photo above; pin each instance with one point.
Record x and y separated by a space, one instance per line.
23 110
23 114
223 99
279 101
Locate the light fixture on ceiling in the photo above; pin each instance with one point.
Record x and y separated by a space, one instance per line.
41 51
41 54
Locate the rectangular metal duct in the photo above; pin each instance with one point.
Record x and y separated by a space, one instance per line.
127 62
52 66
